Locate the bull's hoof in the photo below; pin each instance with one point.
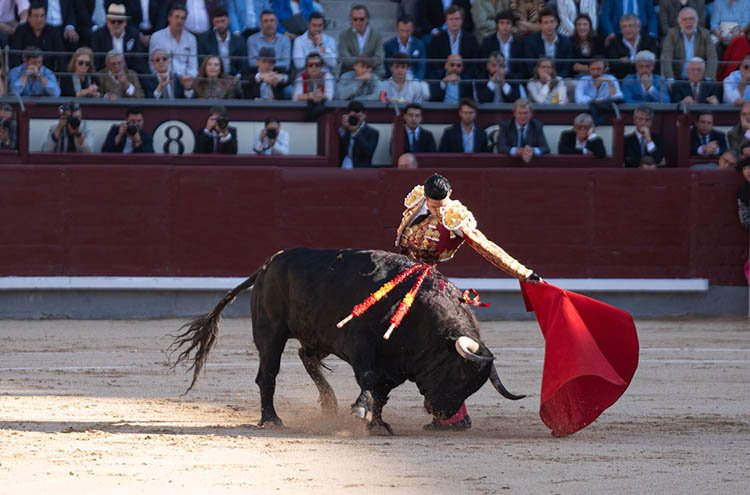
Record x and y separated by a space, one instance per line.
381 429
361 412
271 423
463 424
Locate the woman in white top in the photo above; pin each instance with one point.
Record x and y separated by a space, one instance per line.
546 86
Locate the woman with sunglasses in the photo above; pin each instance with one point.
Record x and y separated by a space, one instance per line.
212 81
79 81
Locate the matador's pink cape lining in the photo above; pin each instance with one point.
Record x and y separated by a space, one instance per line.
591 354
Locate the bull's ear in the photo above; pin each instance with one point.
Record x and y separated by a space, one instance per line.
468 348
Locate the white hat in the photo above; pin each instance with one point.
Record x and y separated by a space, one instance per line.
117 12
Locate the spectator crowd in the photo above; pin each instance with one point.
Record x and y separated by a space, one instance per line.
524 52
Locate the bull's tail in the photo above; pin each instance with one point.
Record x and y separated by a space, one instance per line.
202 332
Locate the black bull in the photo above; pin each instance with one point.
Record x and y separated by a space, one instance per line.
302 293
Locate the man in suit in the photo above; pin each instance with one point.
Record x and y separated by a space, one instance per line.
162 83
740 132
705 141
503 42
417 139
129 136
36 32
217 136
361 39
644 86
674 65
231 47
612 10
454 84
119 35
497 88
357 140
697 89
266 81
623 48
431 16
643 142
523 135
150 20
405 42
465 136
117 81
582 139
548 43
455 40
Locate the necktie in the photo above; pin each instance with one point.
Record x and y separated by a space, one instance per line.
522 136
643 145
411 140
695 92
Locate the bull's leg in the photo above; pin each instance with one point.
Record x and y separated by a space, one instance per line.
312 361
365 403
377 426
270 341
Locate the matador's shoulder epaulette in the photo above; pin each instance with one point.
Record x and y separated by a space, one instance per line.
415 196
456 216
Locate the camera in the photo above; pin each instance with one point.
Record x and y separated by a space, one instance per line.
74 121
272 133
222 122
132 128
353 120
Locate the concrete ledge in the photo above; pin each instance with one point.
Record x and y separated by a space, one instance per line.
228 283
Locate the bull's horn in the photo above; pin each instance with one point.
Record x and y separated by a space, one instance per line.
468 347
495 379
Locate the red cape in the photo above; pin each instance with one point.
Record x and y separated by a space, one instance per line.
591 354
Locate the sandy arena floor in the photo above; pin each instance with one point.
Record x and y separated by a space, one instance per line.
91 407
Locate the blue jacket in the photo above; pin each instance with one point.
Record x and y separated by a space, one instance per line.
417 50
633 92
611 11
237 10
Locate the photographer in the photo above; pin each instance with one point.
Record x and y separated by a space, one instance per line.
70 134
218 136
129 136
272 140
32 78
7 128
357 141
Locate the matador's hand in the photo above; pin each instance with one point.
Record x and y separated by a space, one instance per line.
534 278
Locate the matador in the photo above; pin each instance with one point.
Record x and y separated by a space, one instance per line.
433 228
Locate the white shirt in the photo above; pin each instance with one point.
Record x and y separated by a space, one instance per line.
197 20
146 22
280 147
54 13
362 38
184 51
224 52
304 45
118 43
7 13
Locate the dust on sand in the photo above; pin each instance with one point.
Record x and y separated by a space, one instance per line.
91 407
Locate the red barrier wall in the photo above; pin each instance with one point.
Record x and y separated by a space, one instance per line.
166 220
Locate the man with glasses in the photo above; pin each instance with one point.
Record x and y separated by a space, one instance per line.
314 84
453 84
118 81
180 43
582 139
684 42
360 40
737 84
121 36
163 83
697 89
315 40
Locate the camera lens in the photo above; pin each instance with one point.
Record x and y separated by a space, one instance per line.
132 128
271 133
353 120
74 122
222 122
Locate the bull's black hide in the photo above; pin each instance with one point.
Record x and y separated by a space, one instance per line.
303 293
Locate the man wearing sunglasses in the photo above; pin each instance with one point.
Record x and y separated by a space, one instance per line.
119 35
361 40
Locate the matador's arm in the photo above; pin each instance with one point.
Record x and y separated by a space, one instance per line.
457 217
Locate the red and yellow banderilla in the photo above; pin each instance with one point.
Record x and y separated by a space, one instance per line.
403 307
